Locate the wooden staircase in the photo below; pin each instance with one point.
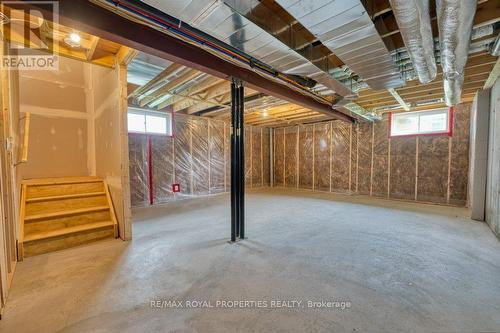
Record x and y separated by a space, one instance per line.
57 213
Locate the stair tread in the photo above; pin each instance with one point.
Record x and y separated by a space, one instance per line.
66 231
61 181
65 212
65 196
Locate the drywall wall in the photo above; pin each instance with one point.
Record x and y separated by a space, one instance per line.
197 158
362 159
78 127
478 166
493 179
59 119
110 138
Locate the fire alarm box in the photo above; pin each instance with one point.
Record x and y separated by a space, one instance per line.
176 188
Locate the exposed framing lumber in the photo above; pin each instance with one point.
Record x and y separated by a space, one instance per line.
94 40
194 89
170 70
166 89
125 55
93 19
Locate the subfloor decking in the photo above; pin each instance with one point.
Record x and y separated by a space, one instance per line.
403 267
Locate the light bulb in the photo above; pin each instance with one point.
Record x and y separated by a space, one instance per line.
75 38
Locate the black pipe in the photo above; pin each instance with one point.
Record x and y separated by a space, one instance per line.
233 162
242 161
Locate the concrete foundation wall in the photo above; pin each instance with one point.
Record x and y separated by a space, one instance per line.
362 159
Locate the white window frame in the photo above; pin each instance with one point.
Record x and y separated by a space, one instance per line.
449 122
169 119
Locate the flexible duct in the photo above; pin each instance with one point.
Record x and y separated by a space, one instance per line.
415 26
455 19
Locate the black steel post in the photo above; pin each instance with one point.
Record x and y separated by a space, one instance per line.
241 119
237 157
234 144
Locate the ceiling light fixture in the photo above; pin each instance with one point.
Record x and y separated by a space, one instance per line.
73 39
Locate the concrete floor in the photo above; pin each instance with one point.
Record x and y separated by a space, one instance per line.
403 267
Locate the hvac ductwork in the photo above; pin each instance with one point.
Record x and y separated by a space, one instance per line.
345 28
219 20
415 26
455 20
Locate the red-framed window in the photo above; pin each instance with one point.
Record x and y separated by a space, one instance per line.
142 121
421 123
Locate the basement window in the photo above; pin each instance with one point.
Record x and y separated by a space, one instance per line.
421 123
142 121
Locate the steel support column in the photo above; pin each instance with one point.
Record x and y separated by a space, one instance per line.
237 161
241 151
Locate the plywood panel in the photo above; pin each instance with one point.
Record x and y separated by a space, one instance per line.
306 145
291 156
403 154
460 155
432 169
279 159
364 157
380 158
322 145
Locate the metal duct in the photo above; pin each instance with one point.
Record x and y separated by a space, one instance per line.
415 26
455 19
346 29
219 20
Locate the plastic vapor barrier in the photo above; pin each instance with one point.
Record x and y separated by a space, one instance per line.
138 153
279 157
306 155
459 155
291 157
341 143
322 155
197 158
362 159
380 175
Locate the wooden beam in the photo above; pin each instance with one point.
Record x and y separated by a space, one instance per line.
226 99
398 99
94 40
190 74
125 55
214 91
193 90
495 73
159 78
